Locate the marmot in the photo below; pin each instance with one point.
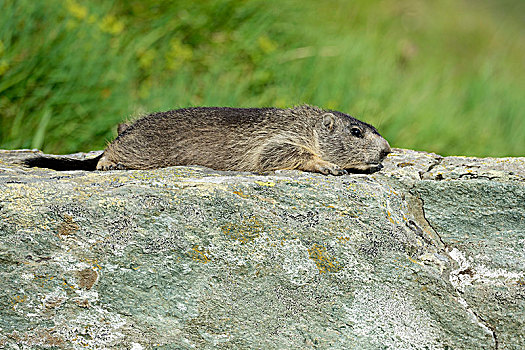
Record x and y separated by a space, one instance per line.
243 139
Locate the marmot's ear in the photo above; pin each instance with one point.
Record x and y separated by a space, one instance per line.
121 127
328 120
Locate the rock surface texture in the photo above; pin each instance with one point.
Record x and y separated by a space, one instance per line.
428 253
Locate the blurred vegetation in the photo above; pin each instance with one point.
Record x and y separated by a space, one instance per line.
446 76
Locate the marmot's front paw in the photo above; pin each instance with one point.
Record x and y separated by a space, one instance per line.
332 169
117 166
317 165
104 165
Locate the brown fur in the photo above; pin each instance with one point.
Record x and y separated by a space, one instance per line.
247 139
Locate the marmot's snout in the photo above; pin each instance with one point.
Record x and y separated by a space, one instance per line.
381 151
385 151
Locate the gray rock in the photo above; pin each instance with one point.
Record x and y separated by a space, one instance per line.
426 254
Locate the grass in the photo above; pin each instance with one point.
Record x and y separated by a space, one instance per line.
445 76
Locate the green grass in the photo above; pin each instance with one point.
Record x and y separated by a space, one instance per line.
446 76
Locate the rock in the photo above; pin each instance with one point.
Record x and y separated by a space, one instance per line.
426 254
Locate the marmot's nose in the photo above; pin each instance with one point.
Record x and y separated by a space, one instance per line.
385 151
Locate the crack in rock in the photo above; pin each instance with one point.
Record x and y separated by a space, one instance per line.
456 279
455 276
437 161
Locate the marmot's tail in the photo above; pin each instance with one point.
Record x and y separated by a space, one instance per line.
62 162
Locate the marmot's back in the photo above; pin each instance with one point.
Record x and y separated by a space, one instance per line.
247 139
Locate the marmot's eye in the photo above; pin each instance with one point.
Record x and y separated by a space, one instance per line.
355 131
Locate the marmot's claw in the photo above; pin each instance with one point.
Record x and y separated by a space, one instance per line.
119 166
112 166
338 171
333 170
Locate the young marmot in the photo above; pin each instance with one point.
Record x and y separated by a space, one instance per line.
245 139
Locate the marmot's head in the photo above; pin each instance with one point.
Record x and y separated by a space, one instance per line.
350 143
